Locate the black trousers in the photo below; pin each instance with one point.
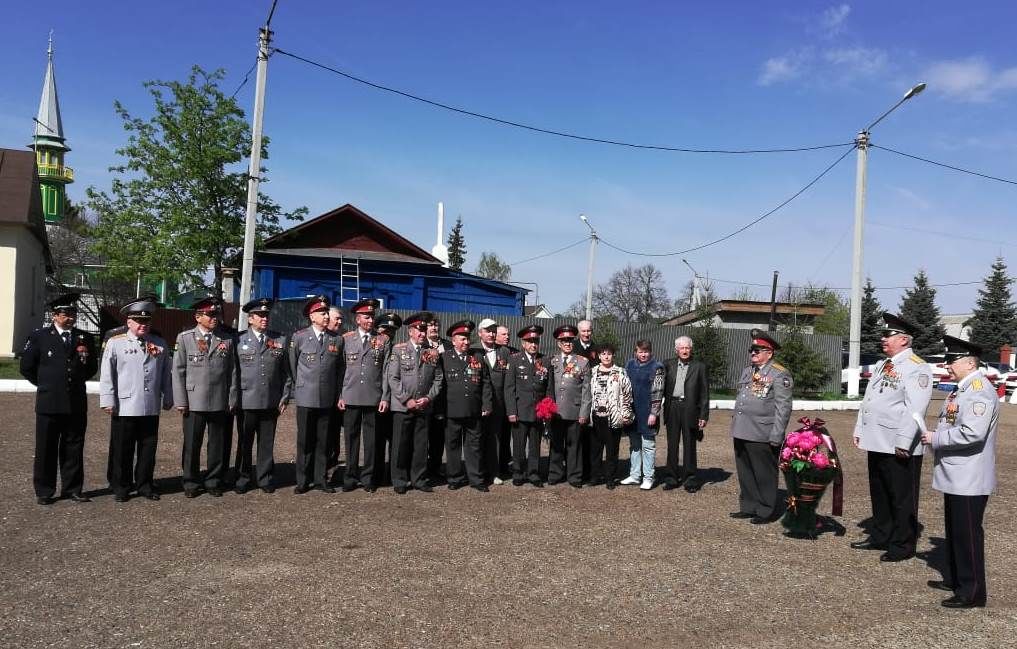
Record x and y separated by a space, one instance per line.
566 459
359 425
681 436
893 488
965 544
134 441
462 443
756 464
312 440
195 425
409 449
435 445
258 424
335 426
497 445
604 438
586 444
526 450
383 427
59 441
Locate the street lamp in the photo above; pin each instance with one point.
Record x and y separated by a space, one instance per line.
589 270
694 303
855 333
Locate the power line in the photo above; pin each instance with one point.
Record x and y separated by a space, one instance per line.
840 288
951 235
553 252
741 229
246 78
944 165
537 129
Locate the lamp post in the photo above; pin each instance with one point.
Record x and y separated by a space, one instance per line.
855 333
694 302
589 270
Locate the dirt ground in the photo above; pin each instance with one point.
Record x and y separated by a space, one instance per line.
517 567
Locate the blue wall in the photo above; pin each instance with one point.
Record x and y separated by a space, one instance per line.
401 285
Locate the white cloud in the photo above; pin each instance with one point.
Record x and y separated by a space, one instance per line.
971 79
857 60
833 20
783 68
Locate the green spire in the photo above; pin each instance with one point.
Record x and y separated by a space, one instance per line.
48 144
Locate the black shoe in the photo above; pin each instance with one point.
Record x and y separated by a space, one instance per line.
452 486
537 483
268 490
741 515
518 482
576 485
762 520
692 487
868 544
327 489
347 487
551 483
888 557
121 498
399 490
370 488
45 500
151 495
959 602
480 487
611 485
191 493
426 488
78 498
301 489
215 492
940 585
668 486
240 491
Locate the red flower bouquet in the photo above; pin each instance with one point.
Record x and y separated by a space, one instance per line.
546 409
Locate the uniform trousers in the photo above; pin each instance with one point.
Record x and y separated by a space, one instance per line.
965 541
526 450
383 429
756 464
359 425
59 441
195 425
681 435
462 443
893 489
335 425
409 449
565 460
435 445
586 444
260 423
497 448
604 438
312 439
134 441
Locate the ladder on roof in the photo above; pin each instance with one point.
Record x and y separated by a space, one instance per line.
349 280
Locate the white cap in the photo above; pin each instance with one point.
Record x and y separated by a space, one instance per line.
487 323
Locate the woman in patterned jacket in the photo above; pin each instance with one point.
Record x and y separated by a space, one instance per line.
611 411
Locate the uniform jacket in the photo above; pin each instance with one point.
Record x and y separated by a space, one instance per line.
569 386
203 373
412 374
263 370
135 378
499 369
964 443
697 391
763 405
525 385
363 383
316 369
59 373
467 385
900 387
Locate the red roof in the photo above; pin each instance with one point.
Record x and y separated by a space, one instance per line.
349 230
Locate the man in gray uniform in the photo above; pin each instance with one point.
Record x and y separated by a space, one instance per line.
316 368
496 438
964 447
467 401
762 410
361 395
900 388
263 374
525 387
134 382
203 391
570 388
414 378
335 422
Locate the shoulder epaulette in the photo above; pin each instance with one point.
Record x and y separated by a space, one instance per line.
400 345
976 384
915 358
349 334
116 336
778 366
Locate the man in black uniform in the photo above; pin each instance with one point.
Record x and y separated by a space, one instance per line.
436 419
467 401
58 359
525 386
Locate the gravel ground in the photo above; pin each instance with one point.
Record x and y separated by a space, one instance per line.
517 567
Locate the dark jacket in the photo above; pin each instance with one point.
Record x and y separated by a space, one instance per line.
498 372
59 373
525 385
697 392
467 385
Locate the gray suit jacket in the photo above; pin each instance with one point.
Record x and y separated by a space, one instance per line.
363 382
965 450
896 392
411 375
763 405
315 369
134 376
525 385
263 371
203 373
570 386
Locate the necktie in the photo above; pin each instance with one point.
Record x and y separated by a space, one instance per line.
320 337
208 339
260 338
363 340
67 339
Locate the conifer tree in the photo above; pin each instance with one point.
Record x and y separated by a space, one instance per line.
872 321
709 346
456 246
919 308
994 322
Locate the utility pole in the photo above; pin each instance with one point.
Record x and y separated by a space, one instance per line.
589 269
773 305
254 171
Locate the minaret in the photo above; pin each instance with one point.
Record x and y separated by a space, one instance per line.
48 143
440 250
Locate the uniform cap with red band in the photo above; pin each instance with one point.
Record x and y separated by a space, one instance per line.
763 340
367 305
209 305
316 303
461 328
533 332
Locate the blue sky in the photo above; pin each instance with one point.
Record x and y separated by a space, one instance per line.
732 75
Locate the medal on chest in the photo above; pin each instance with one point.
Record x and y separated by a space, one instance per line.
761 385
890 379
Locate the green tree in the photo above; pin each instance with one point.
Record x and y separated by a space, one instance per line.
492 267
456 246
872 321
709 346
177 203
918 306
994 322
836 320
808 367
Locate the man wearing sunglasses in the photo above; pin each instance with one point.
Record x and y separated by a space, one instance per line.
762 410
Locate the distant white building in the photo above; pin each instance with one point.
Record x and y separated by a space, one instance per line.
954 325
